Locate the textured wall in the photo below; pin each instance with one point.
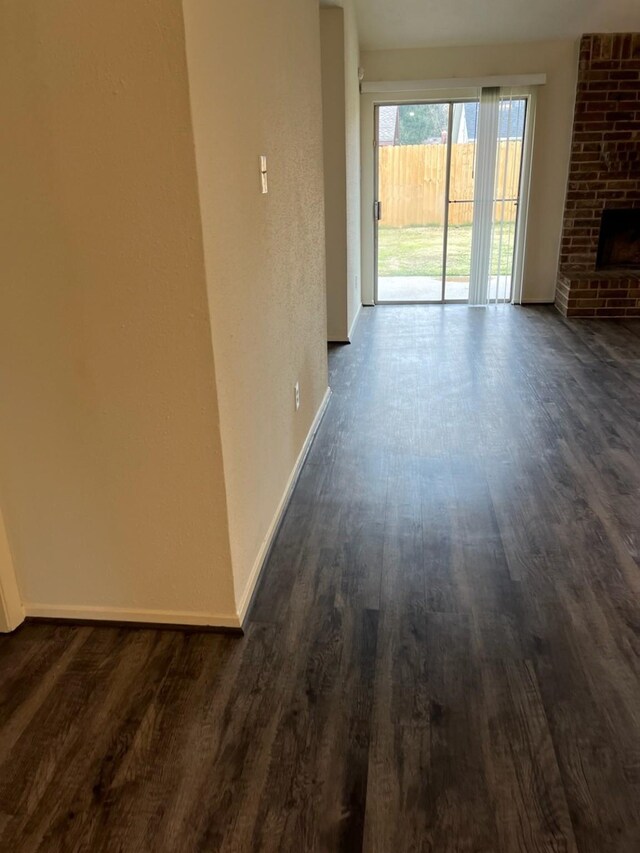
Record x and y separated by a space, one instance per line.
335 170
110 455
352 147
254 73
341 129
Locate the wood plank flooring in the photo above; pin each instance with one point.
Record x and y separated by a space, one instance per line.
443 654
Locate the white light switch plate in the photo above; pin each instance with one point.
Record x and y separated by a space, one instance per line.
263 174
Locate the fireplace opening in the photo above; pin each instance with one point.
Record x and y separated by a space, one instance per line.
619 246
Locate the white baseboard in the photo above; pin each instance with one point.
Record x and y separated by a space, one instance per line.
355 320
537 301
81 613
267 542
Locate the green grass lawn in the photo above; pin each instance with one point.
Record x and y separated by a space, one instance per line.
418 251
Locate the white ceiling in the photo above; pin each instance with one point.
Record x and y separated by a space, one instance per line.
420 23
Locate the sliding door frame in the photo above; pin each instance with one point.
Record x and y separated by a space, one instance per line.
370 101
450 102
524 191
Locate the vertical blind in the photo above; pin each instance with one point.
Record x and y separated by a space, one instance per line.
497 166
485 169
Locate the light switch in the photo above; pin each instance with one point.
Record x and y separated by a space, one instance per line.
263 173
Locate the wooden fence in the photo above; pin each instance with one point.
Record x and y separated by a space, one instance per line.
412 183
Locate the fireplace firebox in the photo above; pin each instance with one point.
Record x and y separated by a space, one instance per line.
619 244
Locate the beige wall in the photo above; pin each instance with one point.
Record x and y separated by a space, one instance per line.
352 145
341 131
335 170
110 450
254 72
129 268
554 119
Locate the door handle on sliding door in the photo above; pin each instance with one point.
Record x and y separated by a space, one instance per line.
377 210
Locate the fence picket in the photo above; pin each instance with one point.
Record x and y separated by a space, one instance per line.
412 183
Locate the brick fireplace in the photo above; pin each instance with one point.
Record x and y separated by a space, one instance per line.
599 271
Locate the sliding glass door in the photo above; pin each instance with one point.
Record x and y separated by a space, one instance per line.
413 165
447 190
460 201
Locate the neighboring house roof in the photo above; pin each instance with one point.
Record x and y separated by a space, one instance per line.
511 120
465 122
387 125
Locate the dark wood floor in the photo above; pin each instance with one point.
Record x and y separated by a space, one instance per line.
443 654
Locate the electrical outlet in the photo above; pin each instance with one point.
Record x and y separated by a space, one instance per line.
296 389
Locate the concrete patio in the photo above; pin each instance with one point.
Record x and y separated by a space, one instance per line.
418 288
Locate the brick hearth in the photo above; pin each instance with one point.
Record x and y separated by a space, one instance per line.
604 172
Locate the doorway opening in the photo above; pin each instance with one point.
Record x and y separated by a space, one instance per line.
448 178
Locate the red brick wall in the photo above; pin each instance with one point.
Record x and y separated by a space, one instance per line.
604 172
